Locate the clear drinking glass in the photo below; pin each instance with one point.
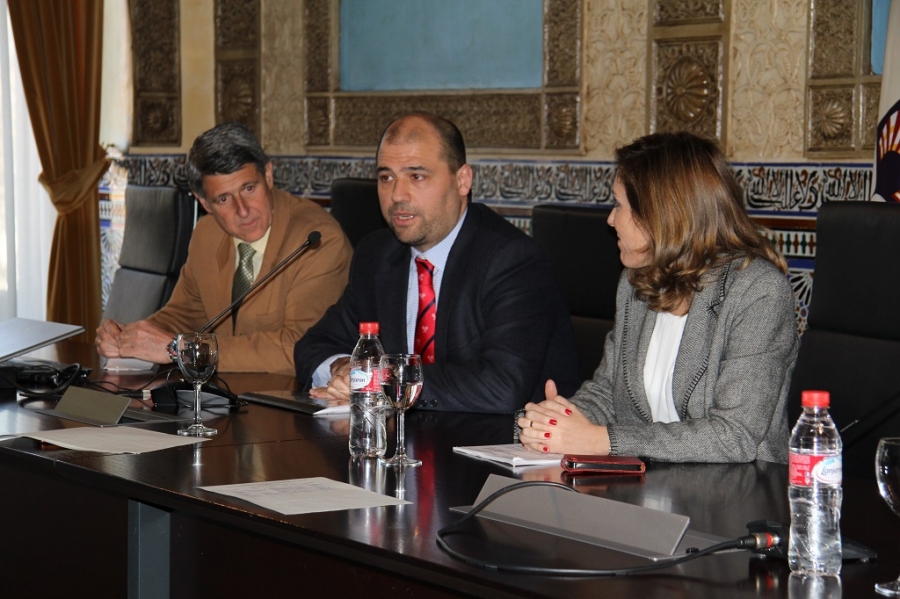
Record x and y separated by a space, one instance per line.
401 383
887 472
198 354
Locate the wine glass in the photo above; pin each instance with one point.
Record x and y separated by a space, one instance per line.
401 383
197 354
887 472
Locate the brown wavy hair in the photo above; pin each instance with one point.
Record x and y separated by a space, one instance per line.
685 196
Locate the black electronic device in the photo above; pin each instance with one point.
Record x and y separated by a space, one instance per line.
851 550
287 400
181 393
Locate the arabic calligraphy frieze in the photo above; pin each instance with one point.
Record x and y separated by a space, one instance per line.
773 187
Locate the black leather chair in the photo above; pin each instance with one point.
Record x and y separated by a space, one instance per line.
584 253
354 204
158 226
852 345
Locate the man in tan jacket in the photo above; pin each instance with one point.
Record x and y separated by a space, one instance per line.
232 178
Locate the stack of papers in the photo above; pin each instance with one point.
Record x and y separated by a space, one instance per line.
512 454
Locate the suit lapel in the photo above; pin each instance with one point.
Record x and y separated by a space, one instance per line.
638 328
698 335
391 285
454 276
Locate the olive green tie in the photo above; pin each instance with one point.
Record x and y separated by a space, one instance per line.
243 276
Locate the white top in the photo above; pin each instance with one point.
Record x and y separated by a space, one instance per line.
659 369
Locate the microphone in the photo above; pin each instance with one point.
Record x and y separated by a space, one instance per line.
313 238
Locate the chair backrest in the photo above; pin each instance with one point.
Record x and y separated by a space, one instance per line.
585 256
852 345
354 204
159 222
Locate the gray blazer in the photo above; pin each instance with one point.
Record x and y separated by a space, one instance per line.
731 376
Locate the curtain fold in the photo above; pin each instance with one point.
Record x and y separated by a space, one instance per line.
59 44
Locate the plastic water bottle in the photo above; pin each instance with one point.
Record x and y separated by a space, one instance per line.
814 478
368 433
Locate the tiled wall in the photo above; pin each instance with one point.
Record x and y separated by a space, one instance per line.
783 197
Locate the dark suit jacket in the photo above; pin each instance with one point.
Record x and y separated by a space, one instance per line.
502 325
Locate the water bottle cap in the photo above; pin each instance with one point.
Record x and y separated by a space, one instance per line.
815 399
368 328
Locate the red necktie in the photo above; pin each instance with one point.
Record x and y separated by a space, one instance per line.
427 316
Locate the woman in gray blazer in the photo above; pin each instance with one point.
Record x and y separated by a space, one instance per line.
698 364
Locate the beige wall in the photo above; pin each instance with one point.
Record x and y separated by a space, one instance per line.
767 73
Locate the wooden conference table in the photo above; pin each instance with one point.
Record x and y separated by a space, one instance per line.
79 524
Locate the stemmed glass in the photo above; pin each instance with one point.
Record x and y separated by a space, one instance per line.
197 354
887 472
401 383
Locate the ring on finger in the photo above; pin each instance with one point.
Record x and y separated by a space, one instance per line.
530 423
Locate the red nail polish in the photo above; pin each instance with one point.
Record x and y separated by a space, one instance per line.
552 422
545 450
568 412
546 435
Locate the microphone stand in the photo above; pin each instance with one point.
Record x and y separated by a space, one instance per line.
313 238
865 418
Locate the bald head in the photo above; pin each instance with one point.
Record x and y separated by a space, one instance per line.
415 126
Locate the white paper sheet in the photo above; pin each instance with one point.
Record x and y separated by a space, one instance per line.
512 454
305 495
128 365
115 439
341 410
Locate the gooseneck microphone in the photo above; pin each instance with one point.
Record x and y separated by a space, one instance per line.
313 238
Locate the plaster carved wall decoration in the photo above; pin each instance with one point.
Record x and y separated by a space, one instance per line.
687 85
768 79
543 118
157 80
683 12
616 77
237 62
282 37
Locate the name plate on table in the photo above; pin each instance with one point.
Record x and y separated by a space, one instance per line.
612 524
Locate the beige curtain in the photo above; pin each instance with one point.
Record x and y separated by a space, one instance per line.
59 43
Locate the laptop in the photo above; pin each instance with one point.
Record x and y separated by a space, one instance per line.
22 335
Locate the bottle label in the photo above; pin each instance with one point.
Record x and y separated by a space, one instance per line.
365 382
804 470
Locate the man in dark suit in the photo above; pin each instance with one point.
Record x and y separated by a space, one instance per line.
500 324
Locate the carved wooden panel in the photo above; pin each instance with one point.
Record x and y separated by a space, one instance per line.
687 67
237 62
842 94
318 45
831 117
157 76
562 43
685 12
486 120
834 22
546 117
687 86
